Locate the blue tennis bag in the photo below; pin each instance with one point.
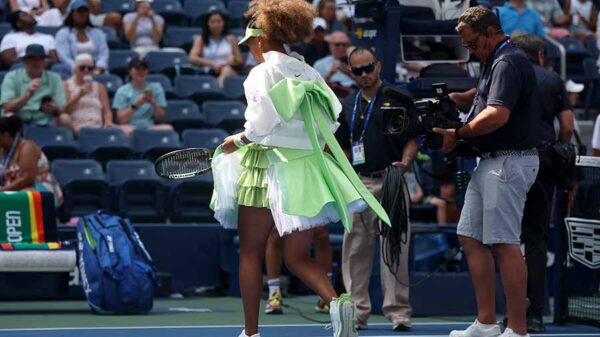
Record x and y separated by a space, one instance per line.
117 273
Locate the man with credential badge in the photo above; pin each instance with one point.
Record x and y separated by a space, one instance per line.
371 152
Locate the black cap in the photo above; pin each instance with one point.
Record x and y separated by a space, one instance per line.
137 62
34 49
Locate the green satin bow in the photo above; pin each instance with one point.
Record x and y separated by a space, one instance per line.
313 100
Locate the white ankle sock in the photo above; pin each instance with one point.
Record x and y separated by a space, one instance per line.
273 286
486 326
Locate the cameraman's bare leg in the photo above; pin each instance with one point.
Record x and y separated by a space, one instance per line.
514 280
254 227
481 267
296 248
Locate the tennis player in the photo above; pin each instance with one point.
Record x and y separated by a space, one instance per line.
275 173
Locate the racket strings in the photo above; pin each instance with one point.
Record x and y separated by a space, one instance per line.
185 164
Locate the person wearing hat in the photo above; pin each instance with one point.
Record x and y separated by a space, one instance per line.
80 37
97 17
143 29
317 48
33 94
13 44
139 103
216 50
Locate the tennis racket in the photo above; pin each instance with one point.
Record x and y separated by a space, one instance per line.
184 163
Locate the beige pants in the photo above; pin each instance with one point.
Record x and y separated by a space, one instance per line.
357 262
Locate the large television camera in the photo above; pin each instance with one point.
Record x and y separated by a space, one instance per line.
420 117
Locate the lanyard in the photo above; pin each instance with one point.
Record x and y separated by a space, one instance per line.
6 159
213 49
353 121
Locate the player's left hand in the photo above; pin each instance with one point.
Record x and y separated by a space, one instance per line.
229 145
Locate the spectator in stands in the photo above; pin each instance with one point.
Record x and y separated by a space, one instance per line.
445 203
551 13
583 16
516 16
317 48
34 94
80 37
87 100
97 18
24 166
139 103
596 138
217 51
143 29
39 9
14 43
334 68
326 10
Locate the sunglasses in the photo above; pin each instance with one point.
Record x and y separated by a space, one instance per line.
369 68
86 68
472 45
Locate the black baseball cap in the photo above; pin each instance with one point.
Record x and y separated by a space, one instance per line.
33 50
137 62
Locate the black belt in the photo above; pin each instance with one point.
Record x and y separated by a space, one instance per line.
501 153
372 175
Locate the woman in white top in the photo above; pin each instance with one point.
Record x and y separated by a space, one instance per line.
143 28
39 9
216 50
583 18
87 100
276 174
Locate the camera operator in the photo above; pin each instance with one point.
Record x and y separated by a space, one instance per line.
361 134
502 125
554 103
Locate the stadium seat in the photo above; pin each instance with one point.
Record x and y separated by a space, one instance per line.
118 61
233 86
5 28
196 10
151 144
56 142
164 82
228 115
169 63
111 82
62 69
576 53
592 75
84 187
104 144
171 11
236 10
47 30
204 138
189 200
112 38
181 37
198 88
138 191
184 114
122 6
443 70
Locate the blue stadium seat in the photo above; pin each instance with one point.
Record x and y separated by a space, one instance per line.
576 53
104 144
184 114
5 28
197 9
84 187
56 142
151 144
47 30
228 115
237 9
118 61
164 82
122 6
169 63
138 191
181 37
62 69
171 11
112 38
189 200
198 88
204 138
233 86
111 82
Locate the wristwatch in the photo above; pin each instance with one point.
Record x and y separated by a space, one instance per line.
238 141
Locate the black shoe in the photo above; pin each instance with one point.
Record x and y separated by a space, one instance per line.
535 324
402 327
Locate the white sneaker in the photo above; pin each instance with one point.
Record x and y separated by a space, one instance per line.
510 333
243 334
478 330
343 316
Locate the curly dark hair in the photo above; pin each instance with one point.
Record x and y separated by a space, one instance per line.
284 21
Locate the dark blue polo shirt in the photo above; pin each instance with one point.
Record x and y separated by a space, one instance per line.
508 80
381 150
552 98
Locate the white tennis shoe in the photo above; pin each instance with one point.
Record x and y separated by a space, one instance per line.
343 316
478 330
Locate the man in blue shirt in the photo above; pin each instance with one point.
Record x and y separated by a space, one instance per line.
516 16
